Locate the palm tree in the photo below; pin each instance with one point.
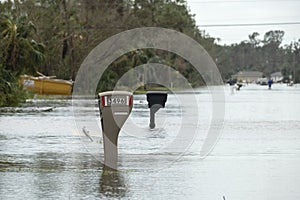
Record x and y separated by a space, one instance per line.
21 53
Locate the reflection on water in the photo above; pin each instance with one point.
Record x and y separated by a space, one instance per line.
42 156
112 183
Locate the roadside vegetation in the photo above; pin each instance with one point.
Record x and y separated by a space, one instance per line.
54 37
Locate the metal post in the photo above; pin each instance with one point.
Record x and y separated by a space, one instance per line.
115 107
156 100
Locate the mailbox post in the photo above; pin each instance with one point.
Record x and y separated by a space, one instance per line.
115 107
156 100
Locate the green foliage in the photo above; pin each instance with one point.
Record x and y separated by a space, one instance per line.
55 36
10 92
19 53
17 46
266 55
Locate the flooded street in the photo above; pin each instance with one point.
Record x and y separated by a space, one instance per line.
44 156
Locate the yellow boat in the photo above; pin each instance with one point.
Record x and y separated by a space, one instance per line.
46 85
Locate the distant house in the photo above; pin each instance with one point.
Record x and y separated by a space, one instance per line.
247 76
276 77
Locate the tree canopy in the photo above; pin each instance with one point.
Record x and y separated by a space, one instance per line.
54 37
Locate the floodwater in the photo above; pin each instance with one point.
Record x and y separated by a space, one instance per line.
44 155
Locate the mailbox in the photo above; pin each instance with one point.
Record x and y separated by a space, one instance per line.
156 100
115 107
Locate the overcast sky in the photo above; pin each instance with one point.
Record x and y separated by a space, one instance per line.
211 12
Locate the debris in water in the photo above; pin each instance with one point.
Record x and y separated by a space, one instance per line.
26 110
86 132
